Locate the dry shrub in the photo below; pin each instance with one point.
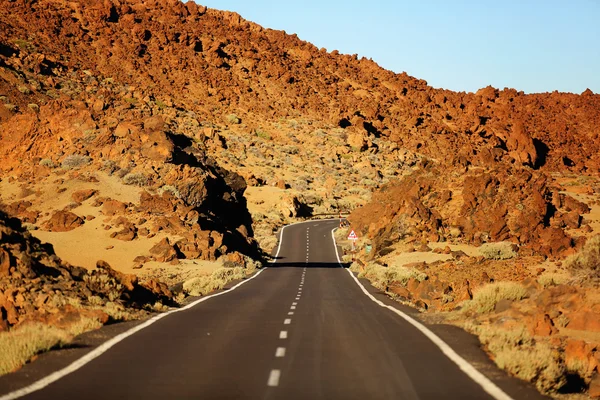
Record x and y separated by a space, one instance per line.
381 277
486 297
19 345
552 279
498 251
586 263
518 353
75 161
136 179
202 285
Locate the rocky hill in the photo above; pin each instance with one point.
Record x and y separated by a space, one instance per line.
165 132
147 84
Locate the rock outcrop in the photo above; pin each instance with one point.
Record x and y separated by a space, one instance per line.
35 285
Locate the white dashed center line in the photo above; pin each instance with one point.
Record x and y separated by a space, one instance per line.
294 304
283 335
287 321
274 378
280 352
292 307
291 313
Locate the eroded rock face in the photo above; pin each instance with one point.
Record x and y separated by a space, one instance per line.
492 206
35 285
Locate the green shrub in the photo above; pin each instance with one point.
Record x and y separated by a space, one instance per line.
498 251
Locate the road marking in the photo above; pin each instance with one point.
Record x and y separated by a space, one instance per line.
487 385
292 307
291 313
294 304
274 378
297 298
104 347
283 335
287 321
280 352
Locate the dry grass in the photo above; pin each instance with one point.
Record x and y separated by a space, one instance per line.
203 285
498 251
586 263
20 345
552 279
486 297
518 353
381 277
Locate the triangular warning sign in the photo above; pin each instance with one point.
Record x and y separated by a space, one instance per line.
352 235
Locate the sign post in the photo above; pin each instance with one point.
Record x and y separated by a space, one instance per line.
354 237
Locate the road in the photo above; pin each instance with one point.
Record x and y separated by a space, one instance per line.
302 329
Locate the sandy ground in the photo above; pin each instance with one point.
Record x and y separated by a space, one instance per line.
91 242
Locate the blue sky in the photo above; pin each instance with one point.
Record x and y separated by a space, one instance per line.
463 45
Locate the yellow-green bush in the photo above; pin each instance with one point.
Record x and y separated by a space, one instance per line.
518 353
486 297
586 263
381 277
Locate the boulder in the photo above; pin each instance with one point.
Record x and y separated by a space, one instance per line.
5 263
164 251
113 207
541 325
82 195
63 221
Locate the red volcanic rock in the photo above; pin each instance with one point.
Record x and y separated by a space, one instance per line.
127 234
5 263
155 204
82 195
541 325
584 320
26 288
63 221
493 206
114 207
164 251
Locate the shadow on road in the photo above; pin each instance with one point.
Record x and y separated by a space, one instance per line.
284 264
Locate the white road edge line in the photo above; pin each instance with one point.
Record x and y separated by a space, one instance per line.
77 364
274 378
487 385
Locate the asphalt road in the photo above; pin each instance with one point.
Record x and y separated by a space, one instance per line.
302 329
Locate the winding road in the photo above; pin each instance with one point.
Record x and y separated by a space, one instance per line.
303 328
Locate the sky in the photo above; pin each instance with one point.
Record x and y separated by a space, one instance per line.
462 45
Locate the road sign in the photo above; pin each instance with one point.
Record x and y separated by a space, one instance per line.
352 235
